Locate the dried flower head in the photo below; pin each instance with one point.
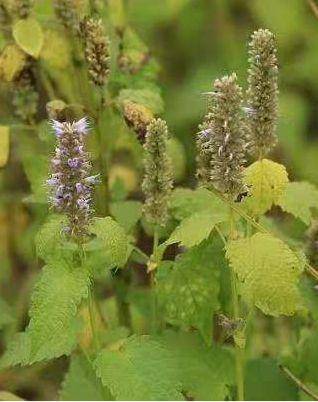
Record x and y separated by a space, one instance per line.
221 142
137 117
157 183
25 95
262 93
66 13
21 8
71 182
96 50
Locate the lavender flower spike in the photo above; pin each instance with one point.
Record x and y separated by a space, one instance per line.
71 183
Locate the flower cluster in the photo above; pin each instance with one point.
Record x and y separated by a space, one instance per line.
157 183
65 11
25 96
70 182
262 93
221 142
22 8
96 50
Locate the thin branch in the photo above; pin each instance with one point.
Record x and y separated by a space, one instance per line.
297 381
314 7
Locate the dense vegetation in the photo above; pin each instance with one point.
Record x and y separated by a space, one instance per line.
152 259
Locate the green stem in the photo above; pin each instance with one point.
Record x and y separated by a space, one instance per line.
152 282
239 353
92 318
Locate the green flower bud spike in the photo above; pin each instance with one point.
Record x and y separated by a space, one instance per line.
157 183
262 93
221 142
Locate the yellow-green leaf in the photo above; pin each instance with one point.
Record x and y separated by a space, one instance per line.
197 227
12 61
269 272
298 199
267 181
4 145
29 36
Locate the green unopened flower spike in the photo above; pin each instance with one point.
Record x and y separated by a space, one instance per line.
221 142
157 183
262 93
66 13
96 50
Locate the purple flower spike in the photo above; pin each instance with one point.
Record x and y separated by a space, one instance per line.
57 127
71 182
74 163
82 126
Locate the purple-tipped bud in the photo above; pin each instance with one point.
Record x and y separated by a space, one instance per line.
71 181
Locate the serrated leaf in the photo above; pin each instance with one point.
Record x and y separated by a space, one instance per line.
54 304
269 272
188 289
185 202
196 228
267 181
12 61
206 373
52 330
299 198
126 213
4 145
48 239
81 383
29 36
141 369
111 245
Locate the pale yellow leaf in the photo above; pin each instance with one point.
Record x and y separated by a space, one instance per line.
29 36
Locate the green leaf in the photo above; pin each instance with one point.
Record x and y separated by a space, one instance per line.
111 246
81 383
36 170
140 369
29 36
299 198
52 331
188 289
206 373
267 181
185 202
265 381
48 239
6 313
269 272
126 213
4 145
196 228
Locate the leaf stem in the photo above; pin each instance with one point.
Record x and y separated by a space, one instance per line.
297 381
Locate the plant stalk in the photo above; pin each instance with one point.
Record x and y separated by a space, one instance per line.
239 352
